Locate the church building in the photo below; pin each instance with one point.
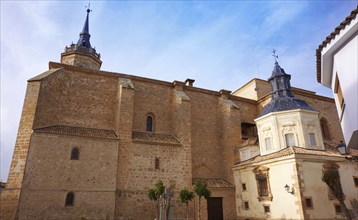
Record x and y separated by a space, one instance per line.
91 143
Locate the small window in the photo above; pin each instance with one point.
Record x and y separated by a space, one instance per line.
70 198
244 187
157 163
246 205
290 139
338 208
75 154
338 91
312 139
355 179
309 204
267 208
150 123
268 143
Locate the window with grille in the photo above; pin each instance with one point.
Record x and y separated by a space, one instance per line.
267 209
338 209
246 206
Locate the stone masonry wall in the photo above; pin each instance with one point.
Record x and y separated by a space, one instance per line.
78 99
10 197
51 174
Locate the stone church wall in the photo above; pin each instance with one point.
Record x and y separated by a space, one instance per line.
50 175
10 197
156 99
70 97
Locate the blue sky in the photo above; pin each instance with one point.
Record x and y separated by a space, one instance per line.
220 44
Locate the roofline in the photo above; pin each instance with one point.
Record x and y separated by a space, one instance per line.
144 79
299 91
290 155
329 38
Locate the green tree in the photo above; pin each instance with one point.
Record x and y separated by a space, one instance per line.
185 197
330 175
200 188
161 197
155 194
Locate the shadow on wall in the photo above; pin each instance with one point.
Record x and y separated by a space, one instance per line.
354 210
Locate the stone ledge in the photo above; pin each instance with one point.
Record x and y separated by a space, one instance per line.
154 138
77 131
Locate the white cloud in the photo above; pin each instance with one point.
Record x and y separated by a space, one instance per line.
220 44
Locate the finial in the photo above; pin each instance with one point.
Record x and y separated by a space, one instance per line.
274 55
88 7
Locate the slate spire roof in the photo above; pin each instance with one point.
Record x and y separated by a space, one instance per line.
83 44
282 96
84 35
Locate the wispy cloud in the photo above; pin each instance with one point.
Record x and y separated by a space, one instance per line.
220 44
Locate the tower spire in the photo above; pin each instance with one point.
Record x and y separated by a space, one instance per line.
282 97
85 36
82 54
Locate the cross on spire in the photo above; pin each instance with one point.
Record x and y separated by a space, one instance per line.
274 55
88 7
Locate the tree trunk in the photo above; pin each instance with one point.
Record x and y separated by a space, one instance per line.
199 208
345 209
187 211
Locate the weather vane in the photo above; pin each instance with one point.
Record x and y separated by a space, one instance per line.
88 7
274 54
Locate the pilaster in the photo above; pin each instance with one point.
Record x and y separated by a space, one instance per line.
230 118
9 198
182 124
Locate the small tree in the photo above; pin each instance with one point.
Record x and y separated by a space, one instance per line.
201 190
168 194
161 197
330 176
155 194
185 197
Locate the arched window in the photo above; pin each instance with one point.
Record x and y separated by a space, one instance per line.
150 122
324 128
75 154
70 199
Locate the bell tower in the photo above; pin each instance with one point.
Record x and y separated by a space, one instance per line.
82 54
287 121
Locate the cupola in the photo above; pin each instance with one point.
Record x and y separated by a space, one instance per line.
82 54
286 120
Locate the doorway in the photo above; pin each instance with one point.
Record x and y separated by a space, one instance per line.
215 208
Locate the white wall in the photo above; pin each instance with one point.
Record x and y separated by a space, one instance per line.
283 206
323 207
346 66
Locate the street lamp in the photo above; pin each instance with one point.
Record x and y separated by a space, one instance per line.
287 188
342 148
